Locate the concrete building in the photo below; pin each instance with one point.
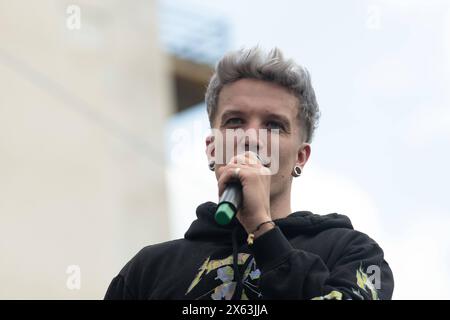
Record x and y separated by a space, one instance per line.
85 91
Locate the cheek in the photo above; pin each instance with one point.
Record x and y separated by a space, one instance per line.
284 160
286 154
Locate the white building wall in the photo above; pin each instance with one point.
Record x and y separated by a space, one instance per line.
82 163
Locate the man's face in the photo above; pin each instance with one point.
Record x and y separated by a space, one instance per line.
250 104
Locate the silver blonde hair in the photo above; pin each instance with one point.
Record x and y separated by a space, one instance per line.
272 67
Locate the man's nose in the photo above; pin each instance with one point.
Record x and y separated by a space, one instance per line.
252 143
254 137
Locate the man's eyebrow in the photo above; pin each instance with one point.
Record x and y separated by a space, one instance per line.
231 113
279 117
270 115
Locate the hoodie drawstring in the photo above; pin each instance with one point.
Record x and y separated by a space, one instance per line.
237 274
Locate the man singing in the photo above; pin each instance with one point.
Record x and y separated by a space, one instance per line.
266 251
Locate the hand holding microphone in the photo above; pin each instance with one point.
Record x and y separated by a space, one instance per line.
244 190
230 201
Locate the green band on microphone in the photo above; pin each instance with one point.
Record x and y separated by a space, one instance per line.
224 214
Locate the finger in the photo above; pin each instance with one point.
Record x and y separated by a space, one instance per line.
228 175
249 158
238 159
258 159
253 157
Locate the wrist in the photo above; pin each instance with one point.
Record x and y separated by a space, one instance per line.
251 223
263 229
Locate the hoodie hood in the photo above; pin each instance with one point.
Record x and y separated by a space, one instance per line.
307 256
206 228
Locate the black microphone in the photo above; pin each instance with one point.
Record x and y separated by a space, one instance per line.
230 202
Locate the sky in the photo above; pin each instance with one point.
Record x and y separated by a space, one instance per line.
381 72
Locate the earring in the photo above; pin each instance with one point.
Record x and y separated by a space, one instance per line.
212 165
297 171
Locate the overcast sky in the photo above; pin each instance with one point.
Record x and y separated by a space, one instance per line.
381 72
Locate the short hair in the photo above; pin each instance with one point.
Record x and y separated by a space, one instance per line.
272 67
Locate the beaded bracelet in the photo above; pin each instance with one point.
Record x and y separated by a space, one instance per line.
251 235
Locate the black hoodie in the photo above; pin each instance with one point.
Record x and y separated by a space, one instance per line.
306 256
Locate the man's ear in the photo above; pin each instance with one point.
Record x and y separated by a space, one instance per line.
210 147
303 154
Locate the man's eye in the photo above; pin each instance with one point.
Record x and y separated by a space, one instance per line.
233 121
274 125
